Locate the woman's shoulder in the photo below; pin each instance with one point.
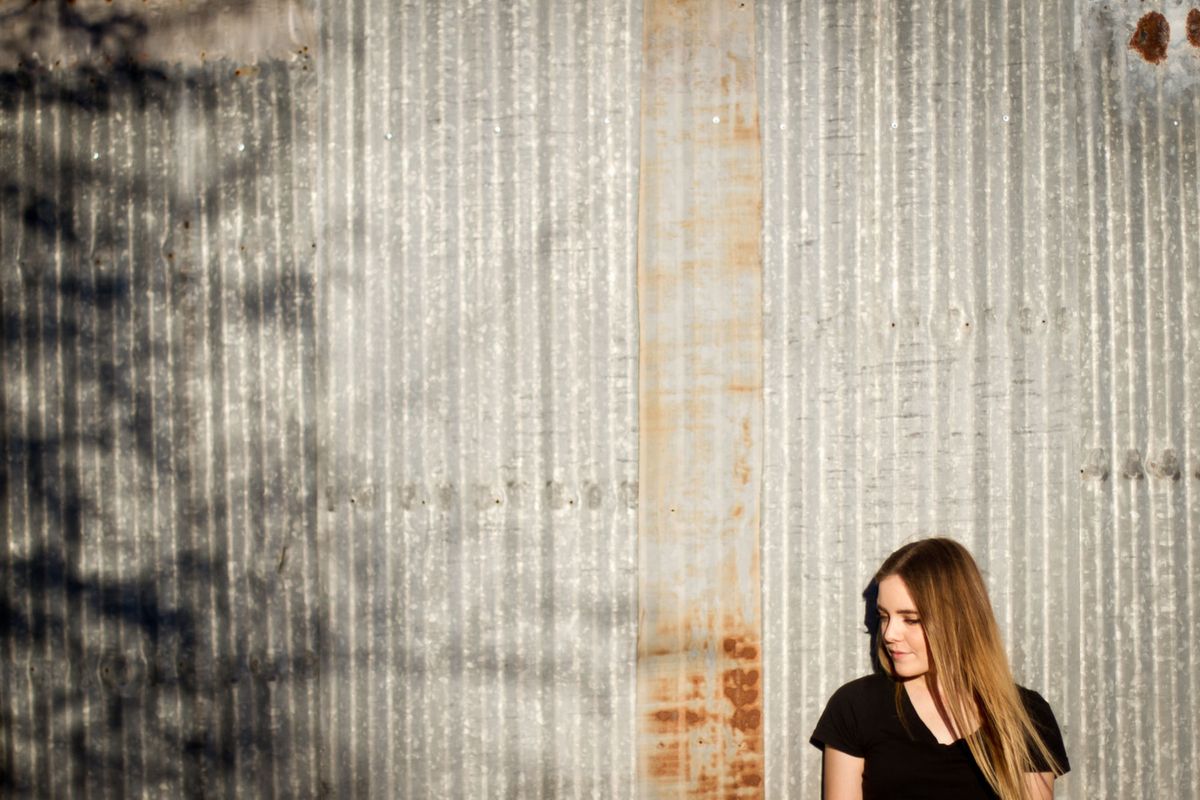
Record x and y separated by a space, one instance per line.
1035 705
867 687
850 721
1043 719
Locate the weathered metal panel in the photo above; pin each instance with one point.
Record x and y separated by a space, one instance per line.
156 516
1139 523
980 260
700 404
981 283
478 433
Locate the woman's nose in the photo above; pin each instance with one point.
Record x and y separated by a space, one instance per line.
889 631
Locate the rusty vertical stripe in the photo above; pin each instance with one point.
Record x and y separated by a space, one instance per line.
700 404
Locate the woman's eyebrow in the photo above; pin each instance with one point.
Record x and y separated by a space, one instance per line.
883 610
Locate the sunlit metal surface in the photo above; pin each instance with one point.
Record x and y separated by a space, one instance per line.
981 294
478 435
320 386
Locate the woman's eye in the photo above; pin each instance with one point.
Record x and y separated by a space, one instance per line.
912 622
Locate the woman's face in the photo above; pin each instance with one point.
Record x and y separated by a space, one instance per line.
900 628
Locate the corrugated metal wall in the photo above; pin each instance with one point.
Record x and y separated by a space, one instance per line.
403 270
158 585
478 432
981 271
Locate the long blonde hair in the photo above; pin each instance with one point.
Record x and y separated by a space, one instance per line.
969 676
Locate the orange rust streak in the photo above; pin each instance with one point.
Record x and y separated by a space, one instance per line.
700 404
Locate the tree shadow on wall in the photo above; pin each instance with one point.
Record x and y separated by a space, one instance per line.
143 573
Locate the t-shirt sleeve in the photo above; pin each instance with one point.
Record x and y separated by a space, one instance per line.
838 726
1043 719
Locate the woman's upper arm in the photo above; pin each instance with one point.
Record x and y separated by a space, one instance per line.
1039 785
842 775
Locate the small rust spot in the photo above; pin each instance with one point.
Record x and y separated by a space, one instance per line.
1151 37
706 785
666 715
739 687
751 779
1193 27
746 720
738 510
667 761
737 648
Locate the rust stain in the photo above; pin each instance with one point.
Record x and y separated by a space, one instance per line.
744 133
707 784
741 687
667 761
1193 27
690 718
700 703
741 469
1151 37
669 719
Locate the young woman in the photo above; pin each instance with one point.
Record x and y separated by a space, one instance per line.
945 719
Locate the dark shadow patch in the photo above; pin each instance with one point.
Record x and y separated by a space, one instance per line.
870 597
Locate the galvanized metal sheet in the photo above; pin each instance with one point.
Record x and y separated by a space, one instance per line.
157 548
981 283
980 267
478 431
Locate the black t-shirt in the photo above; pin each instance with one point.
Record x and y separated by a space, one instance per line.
860 720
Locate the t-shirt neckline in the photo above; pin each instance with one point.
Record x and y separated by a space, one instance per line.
932 739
